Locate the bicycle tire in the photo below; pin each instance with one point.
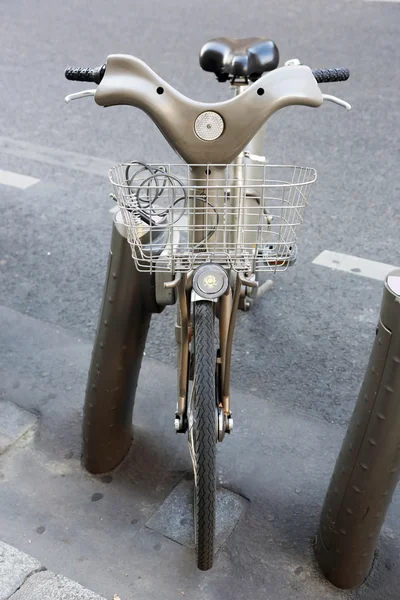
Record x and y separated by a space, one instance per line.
203 434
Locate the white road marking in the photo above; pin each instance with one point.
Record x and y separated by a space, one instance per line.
17 180
51 156
353 264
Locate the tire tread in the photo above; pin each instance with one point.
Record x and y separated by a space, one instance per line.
205 438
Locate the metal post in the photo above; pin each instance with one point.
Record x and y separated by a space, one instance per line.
117 356
368 467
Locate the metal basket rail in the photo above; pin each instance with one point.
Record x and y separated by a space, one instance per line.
241 216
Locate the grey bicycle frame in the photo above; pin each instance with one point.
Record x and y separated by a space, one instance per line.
129 81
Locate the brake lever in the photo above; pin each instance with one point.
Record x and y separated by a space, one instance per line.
79 95
336 100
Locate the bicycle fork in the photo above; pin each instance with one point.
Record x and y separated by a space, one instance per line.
209 282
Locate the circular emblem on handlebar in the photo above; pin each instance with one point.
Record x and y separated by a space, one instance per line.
209 126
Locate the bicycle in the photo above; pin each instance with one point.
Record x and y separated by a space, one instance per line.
200 233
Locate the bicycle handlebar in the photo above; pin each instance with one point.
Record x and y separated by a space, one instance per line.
85 74
331 75
96 74
199 132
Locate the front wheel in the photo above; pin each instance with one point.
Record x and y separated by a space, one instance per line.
203 423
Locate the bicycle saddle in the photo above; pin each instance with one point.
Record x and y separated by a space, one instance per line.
230 58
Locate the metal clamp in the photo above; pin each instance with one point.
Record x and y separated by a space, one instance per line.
225 424
252 283
174 283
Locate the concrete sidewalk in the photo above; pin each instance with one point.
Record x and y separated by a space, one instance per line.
112 533
24 578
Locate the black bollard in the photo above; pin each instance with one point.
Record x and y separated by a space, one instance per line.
128 302
368 467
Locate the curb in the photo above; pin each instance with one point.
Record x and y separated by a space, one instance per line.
22 577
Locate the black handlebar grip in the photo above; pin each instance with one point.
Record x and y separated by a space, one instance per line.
81 74
327 75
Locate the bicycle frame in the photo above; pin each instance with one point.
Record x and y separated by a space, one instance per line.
226 305
198 239
135 295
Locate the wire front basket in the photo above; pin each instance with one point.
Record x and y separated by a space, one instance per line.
241 216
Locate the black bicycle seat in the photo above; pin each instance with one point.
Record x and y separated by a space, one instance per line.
247 58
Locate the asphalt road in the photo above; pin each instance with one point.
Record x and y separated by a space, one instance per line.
305 345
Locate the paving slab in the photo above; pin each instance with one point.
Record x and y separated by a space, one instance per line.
174 518
15 568
92 529
14 422
48 586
